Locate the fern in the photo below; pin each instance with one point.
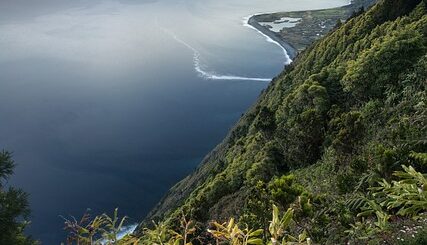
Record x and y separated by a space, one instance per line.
419 157
407 195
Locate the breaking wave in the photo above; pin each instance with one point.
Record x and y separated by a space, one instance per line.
198 67
126 230
269 39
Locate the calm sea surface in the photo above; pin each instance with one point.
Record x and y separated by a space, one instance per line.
109 103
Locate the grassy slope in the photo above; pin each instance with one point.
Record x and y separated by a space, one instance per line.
353 103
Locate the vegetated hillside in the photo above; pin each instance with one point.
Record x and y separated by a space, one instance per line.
350 111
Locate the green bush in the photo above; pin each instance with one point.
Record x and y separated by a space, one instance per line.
284 190
14 209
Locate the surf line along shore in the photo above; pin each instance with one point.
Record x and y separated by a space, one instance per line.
273 37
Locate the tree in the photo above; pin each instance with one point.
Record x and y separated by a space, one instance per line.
14 210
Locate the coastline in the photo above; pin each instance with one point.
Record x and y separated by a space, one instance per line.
181 190
313 25
271 36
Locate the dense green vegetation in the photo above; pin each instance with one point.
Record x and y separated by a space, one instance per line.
333 152
14 209
328 138
403 195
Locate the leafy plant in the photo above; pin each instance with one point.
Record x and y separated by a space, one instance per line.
188 228
162 234
419 157
83 231
230 232
278 227
374 208
159 235
112 227
407 195
101 229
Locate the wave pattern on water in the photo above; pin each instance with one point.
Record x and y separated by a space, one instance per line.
198 67
269 39
124 231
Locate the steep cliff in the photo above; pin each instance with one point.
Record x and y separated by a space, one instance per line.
351 106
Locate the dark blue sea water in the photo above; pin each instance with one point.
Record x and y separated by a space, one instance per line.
109 103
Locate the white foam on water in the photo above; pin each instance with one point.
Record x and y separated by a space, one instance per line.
126 230
198 67
267 38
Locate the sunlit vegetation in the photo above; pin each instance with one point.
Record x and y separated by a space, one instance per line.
92 232
337 143
339 137
101 229
404 197
333 152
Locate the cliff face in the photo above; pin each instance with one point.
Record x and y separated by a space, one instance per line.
352 103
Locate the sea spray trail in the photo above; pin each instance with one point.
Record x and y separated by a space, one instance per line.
210 75
124 231
246 24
